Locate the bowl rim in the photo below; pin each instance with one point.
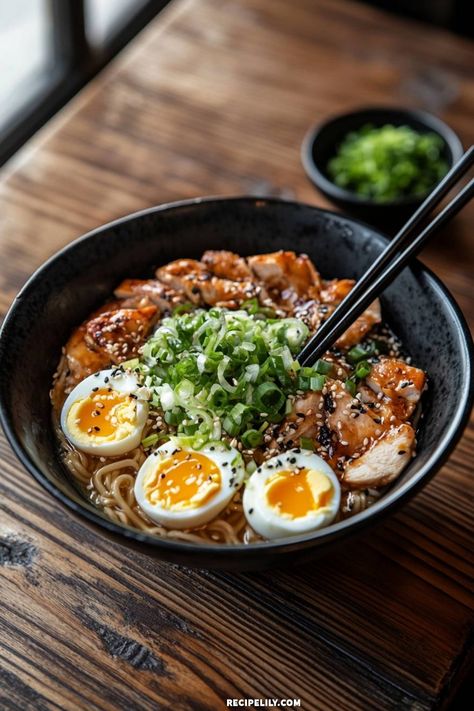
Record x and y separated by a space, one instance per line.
387 502
328 187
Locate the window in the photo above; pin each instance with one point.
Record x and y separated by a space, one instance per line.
23 23
105 17
50 49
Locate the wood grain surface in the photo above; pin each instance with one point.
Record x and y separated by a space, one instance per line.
214 98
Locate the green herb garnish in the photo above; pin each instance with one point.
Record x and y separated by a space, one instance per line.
388 162
226 372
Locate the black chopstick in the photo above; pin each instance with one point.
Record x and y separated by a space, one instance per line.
381 273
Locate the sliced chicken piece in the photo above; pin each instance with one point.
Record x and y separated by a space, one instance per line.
111 336
119 334
332 294
226 265
142 292
384 461
281 271
304 421
311 313
353 427
183 276
334 291
224 292
400 382
384 411
81 359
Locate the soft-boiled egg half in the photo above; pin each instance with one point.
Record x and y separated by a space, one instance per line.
293 493
104 414
184 488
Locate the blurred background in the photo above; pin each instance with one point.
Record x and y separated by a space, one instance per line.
52 48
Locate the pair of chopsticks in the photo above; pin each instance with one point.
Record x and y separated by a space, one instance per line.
388 265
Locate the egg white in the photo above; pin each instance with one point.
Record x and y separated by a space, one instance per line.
121 382
228 461
265 519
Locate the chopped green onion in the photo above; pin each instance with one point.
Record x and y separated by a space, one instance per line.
151 440
307 443
183 308
230 426
317 382
252 438
323 367
222 370
350 386
268 397
362 370
356 353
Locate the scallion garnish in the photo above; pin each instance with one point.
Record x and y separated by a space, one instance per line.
224 370
307 443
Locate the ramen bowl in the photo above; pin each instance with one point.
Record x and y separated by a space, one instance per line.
76 280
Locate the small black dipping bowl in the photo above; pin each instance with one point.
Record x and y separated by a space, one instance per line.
83 275
322 142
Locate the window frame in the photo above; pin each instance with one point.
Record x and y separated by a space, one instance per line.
74 62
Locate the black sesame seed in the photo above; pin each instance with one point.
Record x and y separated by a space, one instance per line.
329 405
250 511
402 451
94 390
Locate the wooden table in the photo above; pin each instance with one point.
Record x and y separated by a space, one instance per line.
214 98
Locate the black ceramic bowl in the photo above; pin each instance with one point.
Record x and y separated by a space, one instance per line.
80 277
321 144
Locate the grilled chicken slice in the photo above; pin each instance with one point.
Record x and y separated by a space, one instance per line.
282 271
353 427
183 276
226 265
311 313
304 421
224 292
383 462
400 382
332 294
143 292
119 334
82 360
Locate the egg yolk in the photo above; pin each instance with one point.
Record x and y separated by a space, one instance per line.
297 493
184 480
96 414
